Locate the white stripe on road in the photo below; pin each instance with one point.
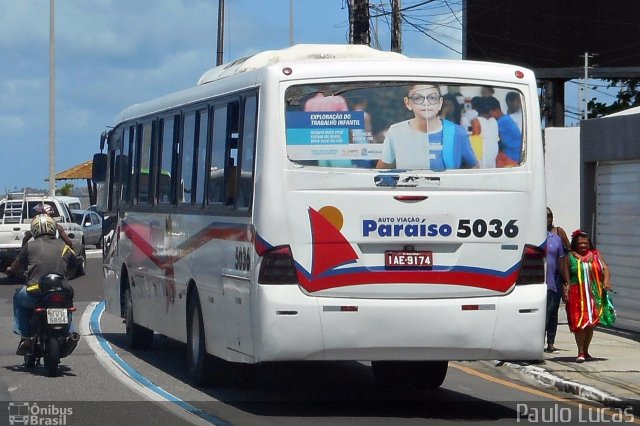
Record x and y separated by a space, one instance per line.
130 377
93 254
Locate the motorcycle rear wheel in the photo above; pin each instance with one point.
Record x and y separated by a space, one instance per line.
52 357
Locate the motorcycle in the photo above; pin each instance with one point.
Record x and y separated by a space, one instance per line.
50 324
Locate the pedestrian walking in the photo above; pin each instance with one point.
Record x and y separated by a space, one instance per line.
589 280
557 279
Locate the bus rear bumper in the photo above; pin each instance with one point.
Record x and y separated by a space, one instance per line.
294 326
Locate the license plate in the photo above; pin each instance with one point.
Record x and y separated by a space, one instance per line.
57 316
408 259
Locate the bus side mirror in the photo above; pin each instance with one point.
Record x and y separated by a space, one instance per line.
99 168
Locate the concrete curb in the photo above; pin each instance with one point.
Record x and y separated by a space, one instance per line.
586 392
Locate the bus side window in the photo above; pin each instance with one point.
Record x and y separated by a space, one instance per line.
144 166
114 183
127 169
166 161
121 177
201 151
187 149
231 153
245 188
217 163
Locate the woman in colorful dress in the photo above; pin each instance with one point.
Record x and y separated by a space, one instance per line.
589 279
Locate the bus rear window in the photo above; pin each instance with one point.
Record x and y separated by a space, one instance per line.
418 125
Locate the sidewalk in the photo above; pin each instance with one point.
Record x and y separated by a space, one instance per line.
612 377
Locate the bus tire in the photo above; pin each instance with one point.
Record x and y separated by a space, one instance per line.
198 361
413 374
137 336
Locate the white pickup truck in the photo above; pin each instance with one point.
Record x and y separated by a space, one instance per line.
16 212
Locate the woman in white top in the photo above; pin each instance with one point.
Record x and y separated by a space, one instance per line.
487 127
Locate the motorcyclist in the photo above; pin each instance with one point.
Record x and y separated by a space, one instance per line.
43 255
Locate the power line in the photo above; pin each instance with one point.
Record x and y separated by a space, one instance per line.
593 87
432 18
430 36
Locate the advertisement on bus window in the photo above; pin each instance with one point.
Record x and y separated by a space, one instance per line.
404 125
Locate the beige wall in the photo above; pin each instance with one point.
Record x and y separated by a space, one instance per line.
562 173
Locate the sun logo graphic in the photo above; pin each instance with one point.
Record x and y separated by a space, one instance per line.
330 247
333 215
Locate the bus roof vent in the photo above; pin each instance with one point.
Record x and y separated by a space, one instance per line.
295 53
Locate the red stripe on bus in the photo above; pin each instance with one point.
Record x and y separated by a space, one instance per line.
139 235
467 279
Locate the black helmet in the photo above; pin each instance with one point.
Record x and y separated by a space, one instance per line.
50 281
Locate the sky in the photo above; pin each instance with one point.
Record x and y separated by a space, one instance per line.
110 54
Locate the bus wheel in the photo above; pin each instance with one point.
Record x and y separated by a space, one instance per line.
138 337
198 362
414 374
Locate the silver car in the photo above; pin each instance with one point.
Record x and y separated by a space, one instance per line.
91 223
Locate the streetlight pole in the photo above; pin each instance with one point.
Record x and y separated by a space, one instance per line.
220 52
52 100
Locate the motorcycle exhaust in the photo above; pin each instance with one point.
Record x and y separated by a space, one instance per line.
70 344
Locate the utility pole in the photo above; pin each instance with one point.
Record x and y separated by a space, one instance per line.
290 22
220 51
396 27
52 99
359 22
584 88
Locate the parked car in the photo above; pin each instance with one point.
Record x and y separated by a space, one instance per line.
91 223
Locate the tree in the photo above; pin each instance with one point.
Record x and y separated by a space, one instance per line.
627 97
66 190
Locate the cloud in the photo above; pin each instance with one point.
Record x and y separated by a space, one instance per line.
114 53
13 122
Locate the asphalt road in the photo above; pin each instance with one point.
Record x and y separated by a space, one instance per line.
117 386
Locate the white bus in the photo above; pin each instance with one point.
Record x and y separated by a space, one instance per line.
279 210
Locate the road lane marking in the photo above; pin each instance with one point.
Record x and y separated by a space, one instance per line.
93 254
522 388
91 331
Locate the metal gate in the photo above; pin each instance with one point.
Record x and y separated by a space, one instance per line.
617 235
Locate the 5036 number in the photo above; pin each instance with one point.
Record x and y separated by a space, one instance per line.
479 228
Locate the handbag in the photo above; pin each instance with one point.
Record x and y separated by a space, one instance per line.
608 316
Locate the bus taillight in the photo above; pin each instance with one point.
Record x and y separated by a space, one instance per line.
531 266
277 267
